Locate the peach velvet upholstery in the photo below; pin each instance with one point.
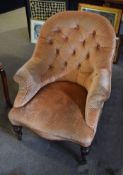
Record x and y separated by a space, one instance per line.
63 87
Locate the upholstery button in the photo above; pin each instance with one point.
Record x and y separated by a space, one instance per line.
66 38
98 46
65 63
83 43
50 41
77 27
50 67
74 52
79 65
88 55
57 51
94 33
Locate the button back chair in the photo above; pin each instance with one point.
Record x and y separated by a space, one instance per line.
64 85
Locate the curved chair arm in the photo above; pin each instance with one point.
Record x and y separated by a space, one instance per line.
98 93
28 78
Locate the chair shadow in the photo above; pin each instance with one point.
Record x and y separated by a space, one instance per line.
68 148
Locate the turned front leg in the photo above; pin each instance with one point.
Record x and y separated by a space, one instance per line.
84 153
18 131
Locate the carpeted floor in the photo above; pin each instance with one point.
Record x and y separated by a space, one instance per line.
36 156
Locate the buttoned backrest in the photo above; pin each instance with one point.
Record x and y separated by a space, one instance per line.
74 43
72 46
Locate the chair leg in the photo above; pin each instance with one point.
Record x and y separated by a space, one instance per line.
5 86
18 131
84 153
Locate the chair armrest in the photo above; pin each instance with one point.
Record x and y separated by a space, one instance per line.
98 93
28 78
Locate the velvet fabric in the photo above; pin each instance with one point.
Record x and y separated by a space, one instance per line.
63 87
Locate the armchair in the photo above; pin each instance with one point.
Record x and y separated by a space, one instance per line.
64 85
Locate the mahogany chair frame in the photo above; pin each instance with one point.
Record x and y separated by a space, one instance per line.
5 85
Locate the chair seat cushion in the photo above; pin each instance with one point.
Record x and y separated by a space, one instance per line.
57 113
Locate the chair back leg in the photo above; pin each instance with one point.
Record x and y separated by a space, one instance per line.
5 86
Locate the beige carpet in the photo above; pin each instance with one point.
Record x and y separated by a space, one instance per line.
13 20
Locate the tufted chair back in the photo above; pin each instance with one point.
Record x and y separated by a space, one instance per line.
76 47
